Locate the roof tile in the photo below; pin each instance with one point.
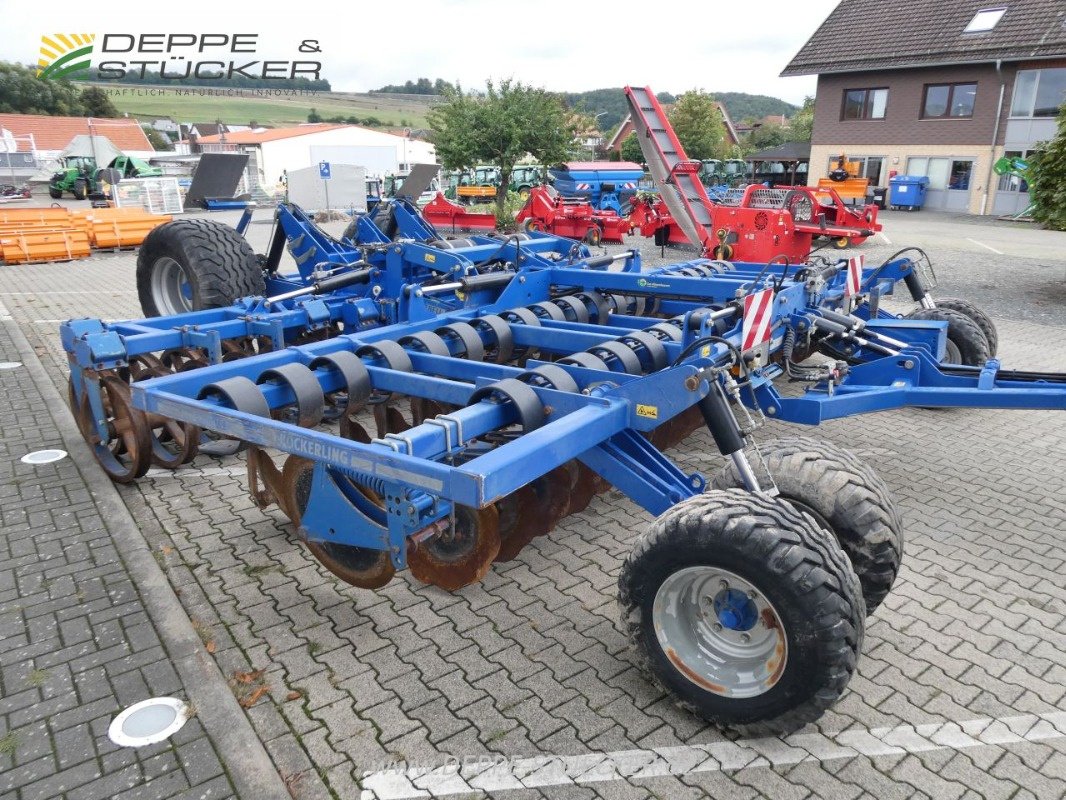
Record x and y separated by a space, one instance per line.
888 34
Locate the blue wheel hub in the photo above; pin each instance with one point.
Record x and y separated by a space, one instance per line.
736 611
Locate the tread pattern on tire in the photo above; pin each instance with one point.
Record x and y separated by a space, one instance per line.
792 548
977 315
843 489
224 264
963 331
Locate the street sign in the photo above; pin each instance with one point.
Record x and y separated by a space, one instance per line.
323 170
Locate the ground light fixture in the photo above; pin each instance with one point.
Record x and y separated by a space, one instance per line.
39 457
148 722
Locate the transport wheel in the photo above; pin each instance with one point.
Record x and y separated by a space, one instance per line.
193 264
845 497
593 236
978 316
970 341
55 193
351 230
360 566
80 190
460 554
744 610
126 453
531 225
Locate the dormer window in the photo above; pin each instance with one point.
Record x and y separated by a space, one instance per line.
985 19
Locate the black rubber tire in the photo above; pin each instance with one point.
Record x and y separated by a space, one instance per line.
594 235
219 263
846 497
80 190
55 193
979 318
798 567
352 228
962 331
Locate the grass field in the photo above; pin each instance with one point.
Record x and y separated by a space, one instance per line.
187 105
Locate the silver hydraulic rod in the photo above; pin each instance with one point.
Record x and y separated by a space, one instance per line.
747 474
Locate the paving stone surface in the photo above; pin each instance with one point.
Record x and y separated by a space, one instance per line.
961 688
78 645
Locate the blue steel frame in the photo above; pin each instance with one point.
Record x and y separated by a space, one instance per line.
601 426
420 473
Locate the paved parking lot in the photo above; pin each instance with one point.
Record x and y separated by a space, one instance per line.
524 686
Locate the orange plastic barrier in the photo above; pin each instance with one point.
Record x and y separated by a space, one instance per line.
44 245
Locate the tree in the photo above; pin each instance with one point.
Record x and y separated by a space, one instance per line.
96 103
314 116
630 150
1047 179
157 140
502 125
22 92
802 123
765 136
698 124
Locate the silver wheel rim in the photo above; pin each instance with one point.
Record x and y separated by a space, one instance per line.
171 289
952 354
720 632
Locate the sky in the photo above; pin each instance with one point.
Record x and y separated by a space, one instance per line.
669 45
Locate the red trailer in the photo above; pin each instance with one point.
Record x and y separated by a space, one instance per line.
545 210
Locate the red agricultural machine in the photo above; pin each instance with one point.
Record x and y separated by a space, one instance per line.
755 224
446 215
546 210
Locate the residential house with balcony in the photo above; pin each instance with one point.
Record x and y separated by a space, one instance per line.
937 89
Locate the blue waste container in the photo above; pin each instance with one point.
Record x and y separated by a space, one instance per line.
908 191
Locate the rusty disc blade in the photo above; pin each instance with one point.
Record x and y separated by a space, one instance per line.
462 553
513 510
395 421
126 454
584 489
353 431
261 465
293 488
360 566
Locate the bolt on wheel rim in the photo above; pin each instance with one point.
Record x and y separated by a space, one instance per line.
171 289
720 632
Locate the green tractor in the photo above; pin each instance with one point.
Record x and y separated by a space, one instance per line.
77 177
80 177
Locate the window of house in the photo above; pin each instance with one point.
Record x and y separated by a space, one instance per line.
1038 92
864 104
870 167
985 20
948 100
943 173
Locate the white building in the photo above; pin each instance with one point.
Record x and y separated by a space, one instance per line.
279 150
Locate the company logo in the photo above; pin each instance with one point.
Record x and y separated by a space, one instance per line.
63 55
170 57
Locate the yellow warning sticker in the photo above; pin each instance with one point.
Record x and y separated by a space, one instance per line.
651 412
705 351
430 258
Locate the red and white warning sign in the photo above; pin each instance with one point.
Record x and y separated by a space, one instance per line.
854 282
758 311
